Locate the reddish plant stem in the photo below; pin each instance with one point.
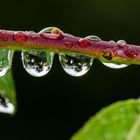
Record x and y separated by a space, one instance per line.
64 43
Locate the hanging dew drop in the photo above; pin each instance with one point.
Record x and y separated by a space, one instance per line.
5 61
37 63
74 64
77 65
115 66
110 65
121 43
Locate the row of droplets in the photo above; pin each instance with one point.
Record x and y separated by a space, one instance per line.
38 63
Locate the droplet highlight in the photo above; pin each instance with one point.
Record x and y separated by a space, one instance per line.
112 41
5 61
115 66
74 64
93 37
37 63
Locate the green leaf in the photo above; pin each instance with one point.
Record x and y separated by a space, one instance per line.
119 121
7 94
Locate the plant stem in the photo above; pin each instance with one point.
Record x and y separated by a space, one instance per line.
63 43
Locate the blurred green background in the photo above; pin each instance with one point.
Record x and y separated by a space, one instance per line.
57 105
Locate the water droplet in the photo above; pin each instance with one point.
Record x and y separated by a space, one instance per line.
68 44
5 105
74 64
37 63
93 37
121 43
115 66
84 43
5 61
51 30
57 33
20 37
112 41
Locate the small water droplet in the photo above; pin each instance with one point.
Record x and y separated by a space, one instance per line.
84 43
121 43
20 37
5 61
93 37
37 63
5 105
68 44
112 41
115 66
74 64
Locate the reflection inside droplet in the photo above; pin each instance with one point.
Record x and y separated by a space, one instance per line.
74 64
37 63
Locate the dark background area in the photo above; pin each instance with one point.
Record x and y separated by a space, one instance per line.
56 106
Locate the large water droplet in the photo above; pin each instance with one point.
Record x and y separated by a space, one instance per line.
37 63
6 106
115 66
74 64
5 61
